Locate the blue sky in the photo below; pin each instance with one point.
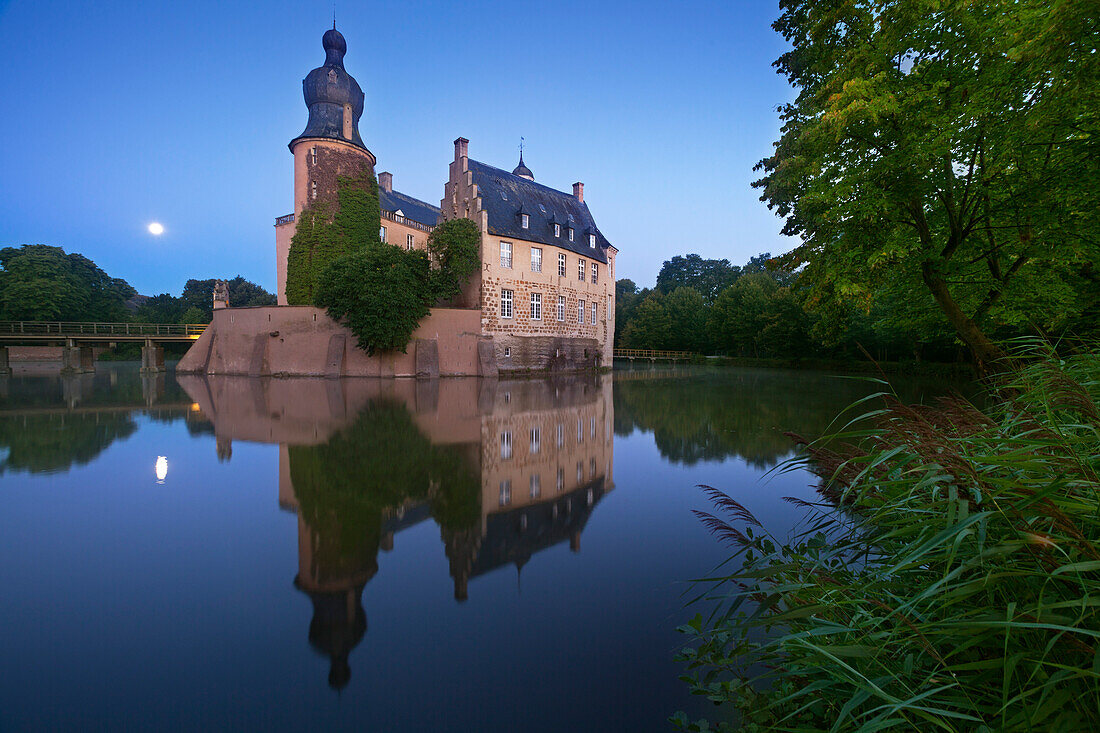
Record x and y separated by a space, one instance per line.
113 115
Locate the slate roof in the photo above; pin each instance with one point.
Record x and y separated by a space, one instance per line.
505 196
414 209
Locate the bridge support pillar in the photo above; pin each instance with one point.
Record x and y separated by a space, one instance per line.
77 359
152 358
5 367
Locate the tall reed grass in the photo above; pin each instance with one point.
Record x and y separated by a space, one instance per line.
950 582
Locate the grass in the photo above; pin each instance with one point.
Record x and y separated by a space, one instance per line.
950 581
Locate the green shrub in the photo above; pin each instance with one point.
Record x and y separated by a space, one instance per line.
957 589
381 293
453 247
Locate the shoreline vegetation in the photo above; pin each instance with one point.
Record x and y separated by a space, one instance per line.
949 579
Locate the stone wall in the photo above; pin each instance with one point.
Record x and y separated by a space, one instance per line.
299 341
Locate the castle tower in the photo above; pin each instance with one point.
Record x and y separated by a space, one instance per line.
329 146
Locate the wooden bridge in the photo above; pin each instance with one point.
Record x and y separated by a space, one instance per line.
652 355
59 331
77 338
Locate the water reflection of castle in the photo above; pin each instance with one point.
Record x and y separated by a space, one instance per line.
506 469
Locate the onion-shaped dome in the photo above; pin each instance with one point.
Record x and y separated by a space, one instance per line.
331 92
523 171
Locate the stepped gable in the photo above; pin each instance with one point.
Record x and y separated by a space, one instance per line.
505 196
410 208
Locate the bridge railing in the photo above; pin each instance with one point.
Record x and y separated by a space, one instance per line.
651 354
67 329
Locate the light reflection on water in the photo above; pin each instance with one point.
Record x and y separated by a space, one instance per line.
404 555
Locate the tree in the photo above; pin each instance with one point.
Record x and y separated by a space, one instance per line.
955 144
327 232
709 277
243 293
163 308
42 283
454 249
687 316
650 327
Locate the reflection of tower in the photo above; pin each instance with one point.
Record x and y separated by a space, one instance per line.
335 587
328 148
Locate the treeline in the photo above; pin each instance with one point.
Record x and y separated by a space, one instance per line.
43 283
760 310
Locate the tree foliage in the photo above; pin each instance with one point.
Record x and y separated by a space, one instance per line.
326 231
453 247
43 283
952 144
707 277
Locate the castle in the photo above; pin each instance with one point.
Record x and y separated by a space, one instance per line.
545 294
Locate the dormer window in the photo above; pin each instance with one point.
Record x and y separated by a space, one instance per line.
570 234
557 230
524 221
592 241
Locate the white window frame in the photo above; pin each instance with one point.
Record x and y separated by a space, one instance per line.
536 439
382 233
592 241
561 265
582 270
557 230
561 479
580 471
580 430
580 312
505 492
570 234
507 303
536 259
506 254
536 306
536 485
524 221
595 273
561 435
561 308
594 309
410 242
505 445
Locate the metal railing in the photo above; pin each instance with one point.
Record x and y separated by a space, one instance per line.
282 220
86 329
653 354
389 215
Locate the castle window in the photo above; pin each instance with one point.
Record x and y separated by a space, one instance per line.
561 479
313 155
580 431
595 271
561 307
536 306
382 233
506 444
536 485
592 427
536 259
593 313
524 220
580 270
592 241
506 304
580 471
409 245
561 265
506 254
557 230
505 492
561 435
313 189
508 352
580 312
570 234
536 439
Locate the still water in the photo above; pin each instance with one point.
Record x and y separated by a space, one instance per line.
375 555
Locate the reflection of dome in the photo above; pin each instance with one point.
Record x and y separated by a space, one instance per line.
338 625
328 89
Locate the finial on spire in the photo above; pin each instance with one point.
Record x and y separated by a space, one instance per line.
334 16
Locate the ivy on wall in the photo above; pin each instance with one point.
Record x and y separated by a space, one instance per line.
382 292
325 233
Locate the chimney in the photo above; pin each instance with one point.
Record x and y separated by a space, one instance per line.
578 191
385 182
460 148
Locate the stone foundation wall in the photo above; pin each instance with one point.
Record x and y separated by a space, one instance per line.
302 341
546 353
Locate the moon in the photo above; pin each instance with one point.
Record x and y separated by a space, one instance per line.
156 228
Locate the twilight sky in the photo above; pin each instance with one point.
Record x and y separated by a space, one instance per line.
116 114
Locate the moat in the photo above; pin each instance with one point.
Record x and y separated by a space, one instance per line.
456 554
